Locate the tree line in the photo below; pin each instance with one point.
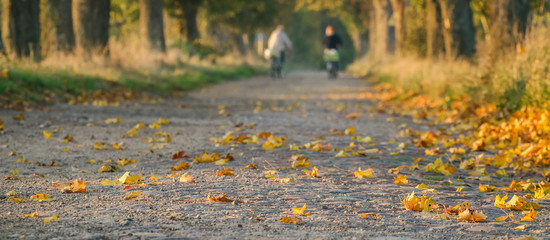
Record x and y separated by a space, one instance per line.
82 26
447 29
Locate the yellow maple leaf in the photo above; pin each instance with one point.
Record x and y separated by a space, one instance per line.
52 218
124 161
293 220
100 146
312 173
180 166
134 194
418 204
131 133
487 188
522 227
422 186
40 197
530 216
401 179
225 172
77 186
300 211
220 198
14 172
26 215
364 174
341 154
187 178
18 200
113 120
251 166
207 158
503 218
47 135
467 215
350 131
500 202
369 214
515 186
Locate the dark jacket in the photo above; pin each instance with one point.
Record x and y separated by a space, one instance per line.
332 41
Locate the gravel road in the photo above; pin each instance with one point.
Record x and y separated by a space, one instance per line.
304 107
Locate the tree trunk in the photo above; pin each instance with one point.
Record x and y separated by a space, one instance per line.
434 36
508 24
398 7
21 27
63 21
463 29
2 50
238 44
91 25
379 23
188 20
151 24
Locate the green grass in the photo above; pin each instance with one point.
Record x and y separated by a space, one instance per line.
39 84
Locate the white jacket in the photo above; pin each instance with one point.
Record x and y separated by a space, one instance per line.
279 41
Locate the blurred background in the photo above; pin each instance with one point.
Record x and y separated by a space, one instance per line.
155 42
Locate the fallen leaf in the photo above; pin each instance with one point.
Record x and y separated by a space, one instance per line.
300 161
109 168
52 218
467 215
178 155
251 166
207 158
352 115
522 227
220 198
134 194
11 178
225 172
113 120
124 161
312 173
40 197
14 172
487 188
26 215
293 220
187 178
369 214
418 204
181 166
422 186
364 174
300 211
530 216
396 170
341 154
100 146
401 179
18 200
47 135
77 186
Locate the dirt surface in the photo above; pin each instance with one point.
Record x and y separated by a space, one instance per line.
304 107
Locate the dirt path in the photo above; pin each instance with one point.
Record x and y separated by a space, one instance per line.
304 107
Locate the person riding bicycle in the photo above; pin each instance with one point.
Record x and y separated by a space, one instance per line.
277 44
331 56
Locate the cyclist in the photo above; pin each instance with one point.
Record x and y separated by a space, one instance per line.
277 44
331 56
